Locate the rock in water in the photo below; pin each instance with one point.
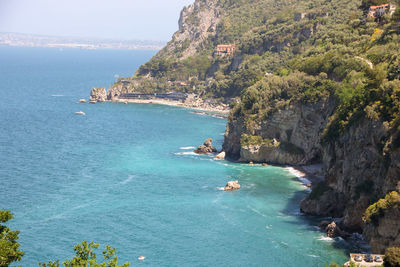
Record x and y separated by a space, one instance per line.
333 230
206 147
82 101
232 185
98 95
220 156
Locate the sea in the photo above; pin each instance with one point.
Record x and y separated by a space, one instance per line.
126 176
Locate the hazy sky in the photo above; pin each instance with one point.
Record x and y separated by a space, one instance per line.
123 19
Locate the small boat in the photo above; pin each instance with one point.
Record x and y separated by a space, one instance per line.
82 101
80 113
141 258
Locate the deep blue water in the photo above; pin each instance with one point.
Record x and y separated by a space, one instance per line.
112 176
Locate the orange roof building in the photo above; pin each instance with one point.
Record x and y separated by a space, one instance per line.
379 11
224 49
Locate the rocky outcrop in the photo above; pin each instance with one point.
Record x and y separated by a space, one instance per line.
220 156
333 230
298 129
385 232
323 202
272 154
232 185
98 95
359 169
206 147
197 22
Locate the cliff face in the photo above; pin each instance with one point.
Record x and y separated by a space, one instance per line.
197 22
296 128
386 233
359 169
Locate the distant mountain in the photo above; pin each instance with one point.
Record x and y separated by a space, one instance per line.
33 40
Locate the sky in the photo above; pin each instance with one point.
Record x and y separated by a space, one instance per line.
118 19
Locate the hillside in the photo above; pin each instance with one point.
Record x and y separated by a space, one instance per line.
309 82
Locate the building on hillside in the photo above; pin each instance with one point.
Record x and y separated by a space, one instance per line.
224 50
379 11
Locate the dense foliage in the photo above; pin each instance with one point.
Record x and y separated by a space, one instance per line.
9 245
392 257
85 255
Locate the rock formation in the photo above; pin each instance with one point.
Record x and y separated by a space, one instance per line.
333 230
220 156
98 95
206 147
297 128
232 185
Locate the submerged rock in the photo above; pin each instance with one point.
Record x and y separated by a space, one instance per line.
206 147
232 185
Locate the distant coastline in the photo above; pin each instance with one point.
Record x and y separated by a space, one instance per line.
33 40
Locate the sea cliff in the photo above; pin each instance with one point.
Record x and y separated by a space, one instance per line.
307 82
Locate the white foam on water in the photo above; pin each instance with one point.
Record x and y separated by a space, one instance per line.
221 188
187 147
299 174
295 172
185 153
57 95
325 238
268 226
311 255
127 180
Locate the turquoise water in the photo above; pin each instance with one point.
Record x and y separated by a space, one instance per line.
113 176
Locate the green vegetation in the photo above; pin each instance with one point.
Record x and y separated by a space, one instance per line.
85 256
335 52
9 245
253 140
378 209
392 257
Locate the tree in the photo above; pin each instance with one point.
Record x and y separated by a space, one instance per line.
86 256
8 241
392 257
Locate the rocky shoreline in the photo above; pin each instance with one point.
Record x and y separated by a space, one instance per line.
192 101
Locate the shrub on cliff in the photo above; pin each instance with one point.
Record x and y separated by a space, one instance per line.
392 257
377 210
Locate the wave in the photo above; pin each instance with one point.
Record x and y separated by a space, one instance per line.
187 147
312 255
185 153
299 174
127 180
325 238
57 95
295 172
